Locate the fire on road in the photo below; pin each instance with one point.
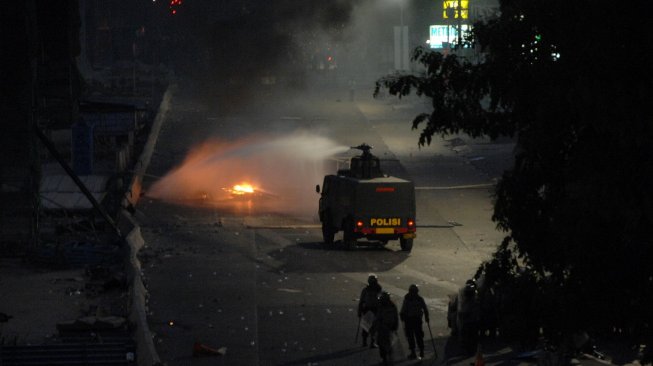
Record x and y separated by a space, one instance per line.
270 174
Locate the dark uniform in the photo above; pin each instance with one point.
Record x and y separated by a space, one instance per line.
468 316
385 325
412 310
369 301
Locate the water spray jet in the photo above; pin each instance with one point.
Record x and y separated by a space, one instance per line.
277 174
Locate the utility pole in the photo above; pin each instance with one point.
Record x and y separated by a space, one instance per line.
460 24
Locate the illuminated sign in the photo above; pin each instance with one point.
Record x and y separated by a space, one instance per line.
445 36
455 9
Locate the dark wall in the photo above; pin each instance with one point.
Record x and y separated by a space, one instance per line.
40 87
19 165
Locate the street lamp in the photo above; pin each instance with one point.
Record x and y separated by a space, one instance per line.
460 18
401 41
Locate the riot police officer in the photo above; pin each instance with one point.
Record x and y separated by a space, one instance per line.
369 302
412 310
385 327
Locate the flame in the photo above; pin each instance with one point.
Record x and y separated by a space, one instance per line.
277 174
243 188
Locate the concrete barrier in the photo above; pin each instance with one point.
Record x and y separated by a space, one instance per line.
146 351
140 167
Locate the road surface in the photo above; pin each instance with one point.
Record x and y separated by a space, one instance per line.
258 281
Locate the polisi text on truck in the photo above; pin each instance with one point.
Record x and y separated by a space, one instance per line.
385 222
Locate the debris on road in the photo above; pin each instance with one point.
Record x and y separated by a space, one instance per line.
103 278
200 349
290 290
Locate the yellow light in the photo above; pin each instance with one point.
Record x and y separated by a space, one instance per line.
452 6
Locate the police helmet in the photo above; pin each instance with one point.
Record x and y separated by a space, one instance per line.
384 297
372 279
413 289
470 289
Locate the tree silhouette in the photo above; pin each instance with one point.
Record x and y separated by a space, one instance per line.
571 82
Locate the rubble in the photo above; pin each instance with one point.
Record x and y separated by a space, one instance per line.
200 349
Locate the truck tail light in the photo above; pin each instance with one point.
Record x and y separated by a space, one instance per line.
358 226
411 223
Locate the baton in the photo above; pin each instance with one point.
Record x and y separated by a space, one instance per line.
428 325
358 329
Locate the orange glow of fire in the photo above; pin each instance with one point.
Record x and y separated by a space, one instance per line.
243 188
277 174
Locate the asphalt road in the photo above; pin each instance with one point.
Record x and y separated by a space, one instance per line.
258 281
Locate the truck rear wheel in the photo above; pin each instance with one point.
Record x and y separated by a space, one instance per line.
348 237
406 244
328 233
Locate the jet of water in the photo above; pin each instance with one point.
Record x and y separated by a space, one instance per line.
282 170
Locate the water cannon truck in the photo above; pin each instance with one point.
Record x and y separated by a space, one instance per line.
363 202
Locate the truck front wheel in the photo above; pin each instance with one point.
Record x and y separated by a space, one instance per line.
406 244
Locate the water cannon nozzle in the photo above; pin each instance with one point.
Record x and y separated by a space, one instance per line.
365 148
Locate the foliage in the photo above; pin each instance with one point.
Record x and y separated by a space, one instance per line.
570 80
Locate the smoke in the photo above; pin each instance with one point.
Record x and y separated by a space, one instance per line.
233 49
283 172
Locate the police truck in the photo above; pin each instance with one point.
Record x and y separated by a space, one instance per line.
362 202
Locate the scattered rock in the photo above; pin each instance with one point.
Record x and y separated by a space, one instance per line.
4 317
